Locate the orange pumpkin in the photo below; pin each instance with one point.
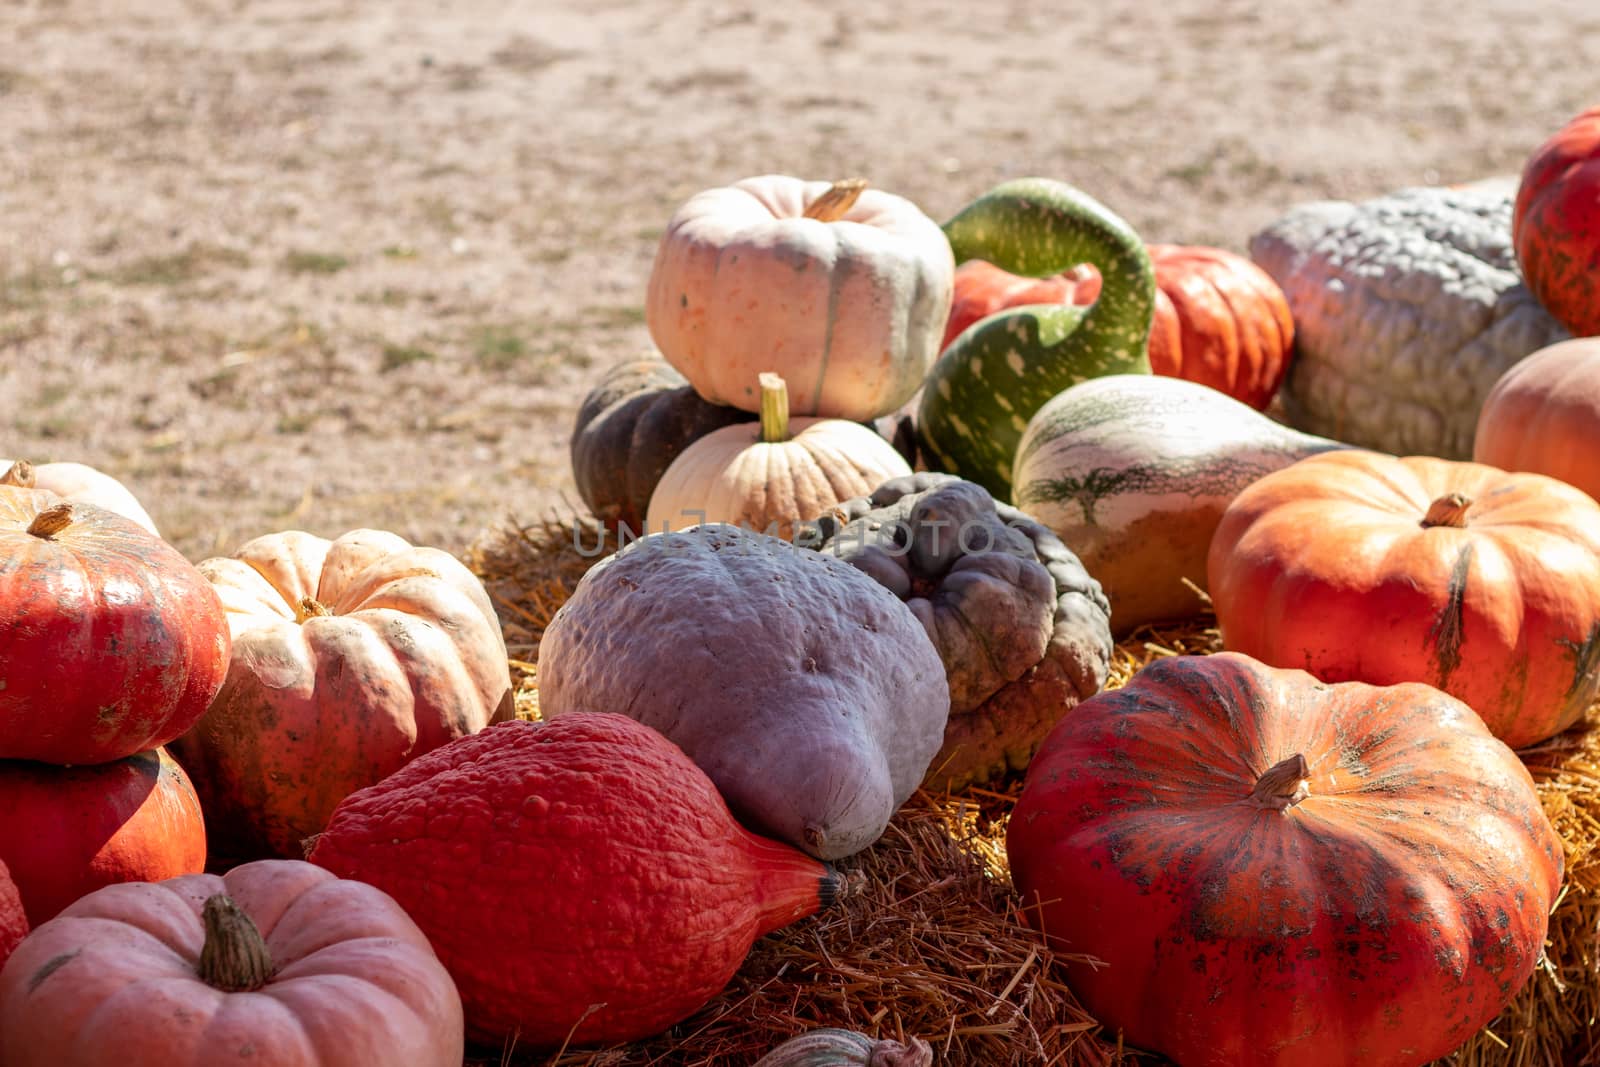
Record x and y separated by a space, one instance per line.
1282 873
13 920
1543 416
350 657
1555 224
1219 321
276 963
1358 566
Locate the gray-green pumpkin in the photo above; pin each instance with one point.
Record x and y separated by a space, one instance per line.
807 692
987 384
1020 626
834 1047
1407 309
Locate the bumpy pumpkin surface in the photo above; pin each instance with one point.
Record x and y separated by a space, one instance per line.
808 692
1133 471
1282 873
1358 566
1543 416
839 289
1021 628
77 483
987 385
13 920
580 878
350 657
629 429
1407 308
112 643
66 831
274 963
1556 223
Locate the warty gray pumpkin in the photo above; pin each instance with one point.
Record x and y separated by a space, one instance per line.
1407 309
1021 627
807 692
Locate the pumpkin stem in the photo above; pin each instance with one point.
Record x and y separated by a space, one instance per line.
234 957
1449 510
834 204
51 521
310 607
774 408
20 474
1283 785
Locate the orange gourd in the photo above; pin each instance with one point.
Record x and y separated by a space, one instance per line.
1358 566
1543 416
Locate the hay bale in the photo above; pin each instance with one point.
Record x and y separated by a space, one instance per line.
934 947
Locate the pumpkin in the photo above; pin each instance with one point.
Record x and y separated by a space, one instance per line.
350 657
114 642
1407 309
581 878
808 692
13 920
65 831
77 483
276 962
1555 223
1543 416
1132 473
987 385
1020 626
1279 872
834 1047
1219 319
839 289
773 475
1358 566
630 428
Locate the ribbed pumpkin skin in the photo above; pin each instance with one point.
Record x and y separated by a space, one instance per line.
112 644
407 657
113 982
1555 224
1326 565
1381 920
848 312
66 831
13 920
983 289
1543 416
83 484
565 864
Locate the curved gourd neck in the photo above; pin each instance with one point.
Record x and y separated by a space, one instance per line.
1038 227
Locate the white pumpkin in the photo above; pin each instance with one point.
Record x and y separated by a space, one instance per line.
841 290
772 475
79 483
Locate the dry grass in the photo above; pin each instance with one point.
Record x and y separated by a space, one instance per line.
933 946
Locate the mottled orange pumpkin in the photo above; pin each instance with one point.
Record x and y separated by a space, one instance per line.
1543 416
1358 566
13 920
1282 873
1555 224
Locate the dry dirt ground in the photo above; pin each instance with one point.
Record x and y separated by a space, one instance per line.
324 264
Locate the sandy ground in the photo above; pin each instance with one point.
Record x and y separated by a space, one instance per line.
333 264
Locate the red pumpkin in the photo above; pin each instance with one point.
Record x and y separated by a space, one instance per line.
1358 566
114 643
65 831
13 920
581 878
1282 873
1543 416
276 963
1555 224
1219 321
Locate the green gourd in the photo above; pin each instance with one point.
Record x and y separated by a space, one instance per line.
990 381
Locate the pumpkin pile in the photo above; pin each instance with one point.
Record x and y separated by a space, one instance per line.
827 752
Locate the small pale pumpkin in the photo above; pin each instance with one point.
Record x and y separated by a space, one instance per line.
833 1047
77 483
773 475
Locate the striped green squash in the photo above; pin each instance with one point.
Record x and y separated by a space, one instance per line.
979 397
